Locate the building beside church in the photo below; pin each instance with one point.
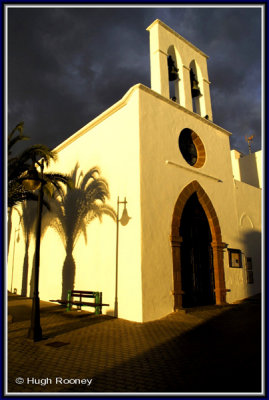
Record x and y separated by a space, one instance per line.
194 237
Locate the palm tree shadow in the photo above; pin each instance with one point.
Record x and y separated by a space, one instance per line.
72 213
29 209
69 269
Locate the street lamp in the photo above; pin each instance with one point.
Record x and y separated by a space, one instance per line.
18 239
34 181
124 221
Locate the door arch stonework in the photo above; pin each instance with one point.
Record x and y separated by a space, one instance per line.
217 244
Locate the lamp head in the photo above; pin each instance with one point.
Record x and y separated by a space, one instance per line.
125 217
31 180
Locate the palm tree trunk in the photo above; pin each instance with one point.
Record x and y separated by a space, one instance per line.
69 271
9 225
32 278
25 269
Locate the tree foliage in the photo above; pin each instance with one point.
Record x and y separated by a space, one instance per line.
19 165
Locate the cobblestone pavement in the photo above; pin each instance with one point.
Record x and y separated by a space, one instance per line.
208 350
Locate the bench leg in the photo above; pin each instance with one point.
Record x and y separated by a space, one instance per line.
69 305
97 300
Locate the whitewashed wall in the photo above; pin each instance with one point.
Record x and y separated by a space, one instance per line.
131 143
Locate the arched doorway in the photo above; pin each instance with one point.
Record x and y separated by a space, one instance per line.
197 271
208 217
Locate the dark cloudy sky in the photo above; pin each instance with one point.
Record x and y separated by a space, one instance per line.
67 65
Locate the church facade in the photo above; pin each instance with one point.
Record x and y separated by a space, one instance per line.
194 233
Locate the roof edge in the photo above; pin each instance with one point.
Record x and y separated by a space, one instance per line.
193 114
111 110
123 102
159 22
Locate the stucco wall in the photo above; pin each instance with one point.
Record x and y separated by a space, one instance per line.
161 38
251 169
131 143
160 125
249 209
112 143
235 157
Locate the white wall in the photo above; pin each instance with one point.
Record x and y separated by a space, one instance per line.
249 206
247 168
131 143
110 142
251 169
161 38
161 123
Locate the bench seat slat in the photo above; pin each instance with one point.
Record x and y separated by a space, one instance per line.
79 303
74 292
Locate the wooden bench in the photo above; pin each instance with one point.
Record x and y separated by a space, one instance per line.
81 294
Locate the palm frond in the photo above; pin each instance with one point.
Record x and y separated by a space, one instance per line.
21 163
55 182
80 205
17 194
38 151
11 140
89 175
73 174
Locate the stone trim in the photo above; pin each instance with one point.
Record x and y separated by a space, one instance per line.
160 51
185 66
217 245
200 150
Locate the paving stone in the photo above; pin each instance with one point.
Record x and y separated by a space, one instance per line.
203 350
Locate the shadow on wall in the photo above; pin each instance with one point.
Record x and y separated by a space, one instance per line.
29 211
248 170
69 215
73 212
253 250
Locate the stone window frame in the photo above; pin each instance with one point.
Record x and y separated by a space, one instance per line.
200 148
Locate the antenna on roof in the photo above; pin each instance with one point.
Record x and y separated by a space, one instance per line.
249 140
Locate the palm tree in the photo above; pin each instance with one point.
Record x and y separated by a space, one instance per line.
72 213
18 167
27 222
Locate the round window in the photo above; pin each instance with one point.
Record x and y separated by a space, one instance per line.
191 148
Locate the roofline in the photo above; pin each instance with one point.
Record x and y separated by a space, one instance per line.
123 102
111 110
158 21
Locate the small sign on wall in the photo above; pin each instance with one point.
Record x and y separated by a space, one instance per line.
235 258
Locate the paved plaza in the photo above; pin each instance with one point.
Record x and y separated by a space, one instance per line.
207 350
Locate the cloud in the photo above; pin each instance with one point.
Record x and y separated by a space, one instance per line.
67 65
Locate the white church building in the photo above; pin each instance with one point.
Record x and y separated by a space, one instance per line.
194 233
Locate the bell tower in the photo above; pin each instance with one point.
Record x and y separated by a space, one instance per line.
179 70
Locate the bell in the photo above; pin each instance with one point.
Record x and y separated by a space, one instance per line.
172 70
192 153
195 91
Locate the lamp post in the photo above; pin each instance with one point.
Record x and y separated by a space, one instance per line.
18 239
124 221
33 182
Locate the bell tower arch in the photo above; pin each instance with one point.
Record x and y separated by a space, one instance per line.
191 66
